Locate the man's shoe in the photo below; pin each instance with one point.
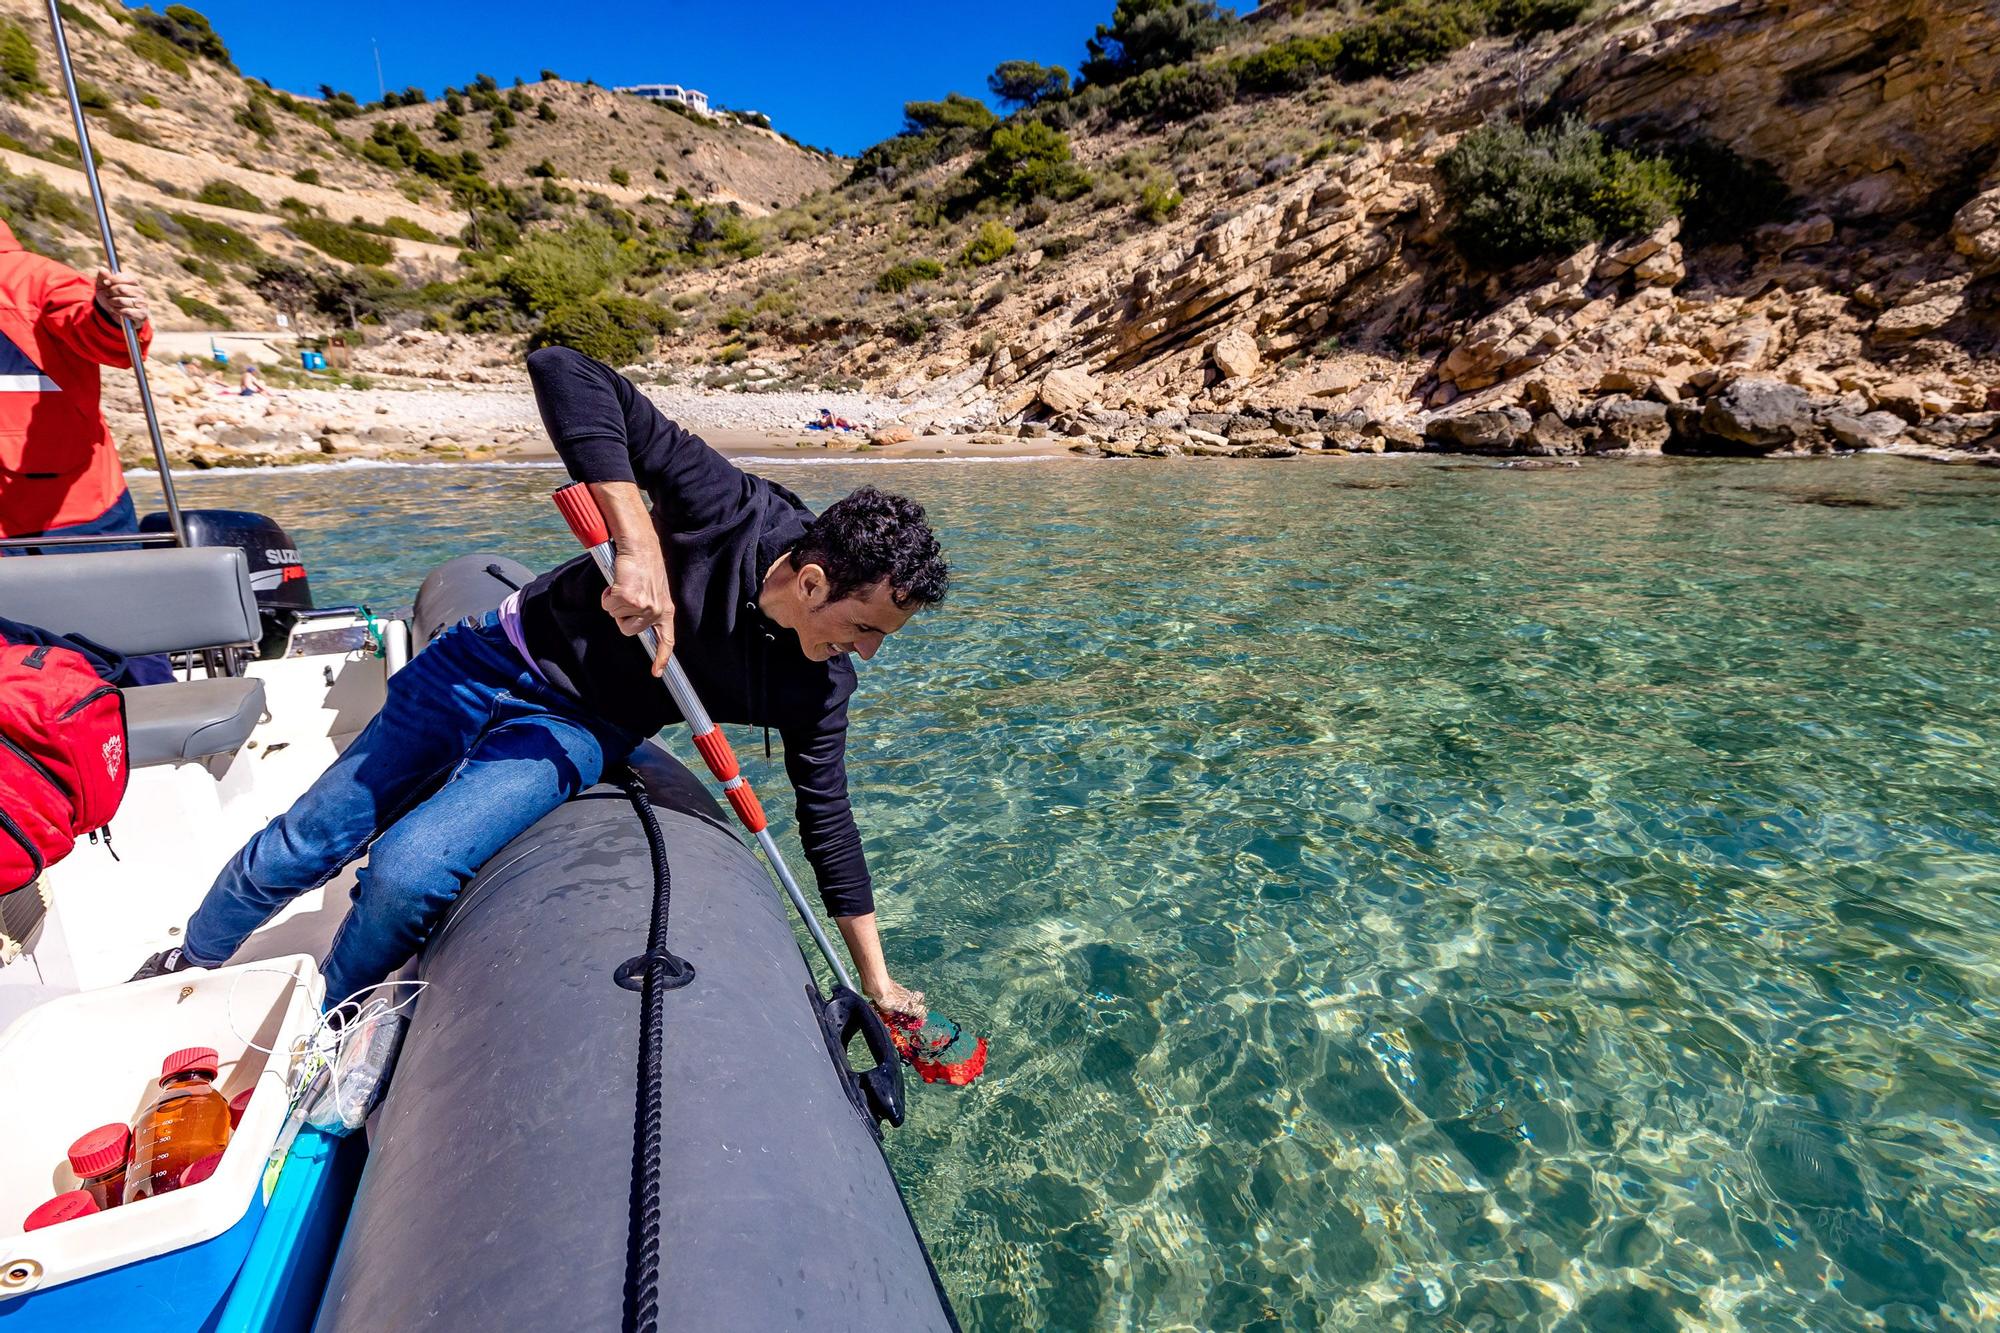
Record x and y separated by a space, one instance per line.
162 963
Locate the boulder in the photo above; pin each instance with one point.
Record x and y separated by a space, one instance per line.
1292 421
1759 414
1975 232
1869 430
1216 423
1033 430
1931 311
1497 430
1628 426
1271 448
891 435
1067 389
1551 436
1397 436
1235 354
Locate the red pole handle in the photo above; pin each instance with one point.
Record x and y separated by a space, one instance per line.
580 511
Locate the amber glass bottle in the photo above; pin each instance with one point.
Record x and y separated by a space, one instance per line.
187 1122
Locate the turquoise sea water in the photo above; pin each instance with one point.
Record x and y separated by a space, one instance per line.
1408 896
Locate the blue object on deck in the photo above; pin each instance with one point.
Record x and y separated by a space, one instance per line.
311 360
265 1273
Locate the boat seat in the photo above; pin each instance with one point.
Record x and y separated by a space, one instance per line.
169 724
136 602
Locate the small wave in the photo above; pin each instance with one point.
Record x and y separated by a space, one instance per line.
370 464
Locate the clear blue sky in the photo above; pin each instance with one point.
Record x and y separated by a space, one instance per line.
831 74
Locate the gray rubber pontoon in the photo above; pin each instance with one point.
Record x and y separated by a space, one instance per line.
499 1187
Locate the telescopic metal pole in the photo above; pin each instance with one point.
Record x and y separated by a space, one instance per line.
111 262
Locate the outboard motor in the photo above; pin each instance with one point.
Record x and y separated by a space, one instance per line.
277 572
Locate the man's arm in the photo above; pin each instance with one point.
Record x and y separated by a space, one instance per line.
85 316
816 763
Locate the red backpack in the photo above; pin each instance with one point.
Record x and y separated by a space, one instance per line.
62 756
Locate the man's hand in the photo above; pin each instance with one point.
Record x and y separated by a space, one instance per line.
895 1000
120 296
639 598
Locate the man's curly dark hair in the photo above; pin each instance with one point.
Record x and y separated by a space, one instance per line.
872 536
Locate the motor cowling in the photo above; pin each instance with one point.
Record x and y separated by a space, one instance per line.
277 570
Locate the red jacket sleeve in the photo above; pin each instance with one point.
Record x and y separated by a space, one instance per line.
70 315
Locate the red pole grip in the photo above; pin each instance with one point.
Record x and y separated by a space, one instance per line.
747 809
580 511
714 747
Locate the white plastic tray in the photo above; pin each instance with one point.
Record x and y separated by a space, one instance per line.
93 1058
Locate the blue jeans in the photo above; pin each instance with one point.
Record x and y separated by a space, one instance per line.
121 517
470 748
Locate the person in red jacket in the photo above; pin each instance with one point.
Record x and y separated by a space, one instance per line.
59 471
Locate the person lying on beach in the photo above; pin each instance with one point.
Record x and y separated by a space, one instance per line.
828 421
768 606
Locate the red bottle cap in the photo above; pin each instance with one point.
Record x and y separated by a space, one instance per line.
197 1172
238 1105
62 1208
100 1150
195 1059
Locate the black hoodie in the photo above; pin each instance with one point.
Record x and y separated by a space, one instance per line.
721 529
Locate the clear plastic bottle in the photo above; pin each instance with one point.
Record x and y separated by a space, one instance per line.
99 1160
188 1121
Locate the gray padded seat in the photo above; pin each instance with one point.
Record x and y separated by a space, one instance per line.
166 724
153 602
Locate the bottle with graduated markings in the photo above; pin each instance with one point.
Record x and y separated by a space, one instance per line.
187 1122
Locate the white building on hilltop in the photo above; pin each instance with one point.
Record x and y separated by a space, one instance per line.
694 99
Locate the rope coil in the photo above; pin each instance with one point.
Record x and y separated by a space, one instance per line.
655 972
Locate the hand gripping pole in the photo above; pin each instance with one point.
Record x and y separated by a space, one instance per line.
586 522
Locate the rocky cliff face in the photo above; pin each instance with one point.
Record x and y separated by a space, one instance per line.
1870 318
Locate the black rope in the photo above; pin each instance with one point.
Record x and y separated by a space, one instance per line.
653 973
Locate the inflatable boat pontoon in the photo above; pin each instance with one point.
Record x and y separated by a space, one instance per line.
500 1184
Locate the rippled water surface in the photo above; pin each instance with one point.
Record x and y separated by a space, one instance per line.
1419 897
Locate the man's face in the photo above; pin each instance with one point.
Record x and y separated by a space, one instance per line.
855 624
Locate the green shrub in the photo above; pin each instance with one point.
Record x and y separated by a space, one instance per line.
187 29
956 111
216 240
449 127
902 277
1175 93
620 176
307 176
228 194
556 268
403 227
599 329
543 111
151 46
499 139
33 208
1149 34
1517 194
340 240
731 354
1288 66
148 225
993 242
544 170
1528 17
1409 36
1027 160
1158 201
20 70
255 116
196 308
77 18
1024 83
734 320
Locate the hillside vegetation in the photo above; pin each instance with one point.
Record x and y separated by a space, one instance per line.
1543 226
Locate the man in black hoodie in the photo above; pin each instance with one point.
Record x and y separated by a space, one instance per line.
503 719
